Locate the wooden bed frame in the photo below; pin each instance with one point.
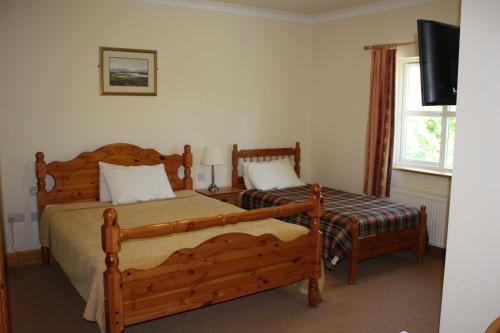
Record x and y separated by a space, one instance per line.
222 268
362 247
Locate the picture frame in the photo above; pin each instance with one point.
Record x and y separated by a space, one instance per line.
131 72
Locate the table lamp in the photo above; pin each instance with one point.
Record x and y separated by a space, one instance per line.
212 155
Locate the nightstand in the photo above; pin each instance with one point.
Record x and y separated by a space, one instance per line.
226 194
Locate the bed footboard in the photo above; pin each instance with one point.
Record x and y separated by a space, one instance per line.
222 268
389 242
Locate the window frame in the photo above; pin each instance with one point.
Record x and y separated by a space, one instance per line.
446 114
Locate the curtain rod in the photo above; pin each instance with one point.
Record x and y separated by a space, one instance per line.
387 46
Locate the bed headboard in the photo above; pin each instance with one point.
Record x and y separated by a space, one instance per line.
78 179
258 155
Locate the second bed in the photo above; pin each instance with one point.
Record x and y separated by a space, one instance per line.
354 226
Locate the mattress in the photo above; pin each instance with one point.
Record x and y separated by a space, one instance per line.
373 215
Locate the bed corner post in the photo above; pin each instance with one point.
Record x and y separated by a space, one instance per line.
354 258
422 232
315 216
188 163
297 158
41 173
234 171
113 293
41 196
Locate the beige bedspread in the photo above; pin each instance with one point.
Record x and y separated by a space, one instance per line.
73 234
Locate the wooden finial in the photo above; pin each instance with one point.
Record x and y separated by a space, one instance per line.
316 189
317 199
41 170
235 155
111 238
41 173
110 216
297 158
234 172
188 163
110 231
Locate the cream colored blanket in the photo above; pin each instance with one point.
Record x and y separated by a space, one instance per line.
73 234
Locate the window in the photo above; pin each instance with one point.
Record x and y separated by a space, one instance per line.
424 135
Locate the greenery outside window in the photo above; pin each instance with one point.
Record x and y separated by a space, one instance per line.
424 135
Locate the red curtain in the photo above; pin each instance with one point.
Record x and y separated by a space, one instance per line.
380 134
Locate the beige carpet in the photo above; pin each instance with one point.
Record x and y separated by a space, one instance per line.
392 294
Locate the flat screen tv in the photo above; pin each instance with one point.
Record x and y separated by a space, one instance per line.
438 49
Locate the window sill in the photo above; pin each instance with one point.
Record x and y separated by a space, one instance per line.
423 171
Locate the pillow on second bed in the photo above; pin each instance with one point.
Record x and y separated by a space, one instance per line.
273 175
137 183
246 176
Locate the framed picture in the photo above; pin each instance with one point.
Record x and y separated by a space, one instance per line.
127 71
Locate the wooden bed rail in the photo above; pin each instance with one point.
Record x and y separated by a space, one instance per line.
112 233
266 262
154 230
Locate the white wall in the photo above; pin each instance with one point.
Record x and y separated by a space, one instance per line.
471 294
222 79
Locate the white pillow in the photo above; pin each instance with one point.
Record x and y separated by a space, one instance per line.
273 175
104 194
246 177
140 183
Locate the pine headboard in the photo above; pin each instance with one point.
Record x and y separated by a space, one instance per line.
78 179
263 154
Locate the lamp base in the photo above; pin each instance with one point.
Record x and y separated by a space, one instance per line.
213 188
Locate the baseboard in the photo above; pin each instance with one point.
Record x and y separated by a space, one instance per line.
24 258
437 252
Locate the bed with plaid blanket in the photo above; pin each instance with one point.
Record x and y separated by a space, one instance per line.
374 215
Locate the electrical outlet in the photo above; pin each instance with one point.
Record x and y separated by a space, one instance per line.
33 190
15 217
34 216
201 177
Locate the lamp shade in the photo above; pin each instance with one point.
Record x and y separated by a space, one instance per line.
212 155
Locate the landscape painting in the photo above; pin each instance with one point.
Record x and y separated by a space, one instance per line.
127 71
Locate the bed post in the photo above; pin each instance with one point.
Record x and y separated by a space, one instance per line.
41 173
113 293
353 259
187 163
234 174
314 217
297 158
41 196
422 231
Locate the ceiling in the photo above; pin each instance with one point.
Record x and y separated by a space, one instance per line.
307 7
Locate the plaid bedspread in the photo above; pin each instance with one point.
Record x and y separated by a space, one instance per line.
374 215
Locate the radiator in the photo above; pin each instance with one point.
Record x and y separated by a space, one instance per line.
437 212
